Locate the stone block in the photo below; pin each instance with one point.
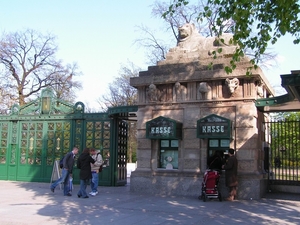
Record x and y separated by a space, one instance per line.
247 154
144 144
144 162
191 164
174 114
190 135
251 187
191 154
247 138
143 117
191 143
166 185
145 153
247 143
247 166
191 115
141 134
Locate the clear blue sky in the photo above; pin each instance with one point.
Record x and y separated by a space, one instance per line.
99 36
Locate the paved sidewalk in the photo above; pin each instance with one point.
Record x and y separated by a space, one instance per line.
25 203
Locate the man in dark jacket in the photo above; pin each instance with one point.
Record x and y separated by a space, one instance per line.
84 164
230 168
215 162
66 174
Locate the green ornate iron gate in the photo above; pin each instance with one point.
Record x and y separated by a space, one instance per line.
32 137
283 155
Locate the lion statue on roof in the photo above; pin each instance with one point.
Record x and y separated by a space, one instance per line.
189 40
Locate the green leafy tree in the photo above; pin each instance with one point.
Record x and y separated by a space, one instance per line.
257 23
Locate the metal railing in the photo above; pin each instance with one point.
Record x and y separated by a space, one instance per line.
284 152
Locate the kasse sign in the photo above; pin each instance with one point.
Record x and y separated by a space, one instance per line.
163 128
213 126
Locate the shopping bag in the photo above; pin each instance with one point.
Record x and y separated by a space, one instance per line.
71 184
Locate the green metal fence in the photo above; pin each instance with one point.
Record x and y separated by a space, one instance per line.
284 152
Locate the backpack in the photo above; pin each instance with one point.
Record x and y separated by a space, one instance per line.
61 162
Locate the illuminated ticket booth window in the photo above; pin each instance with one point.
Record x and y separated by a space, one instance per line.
168 154
168 132
217 131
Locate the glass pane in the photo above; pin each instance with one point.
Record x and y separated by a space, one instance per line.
164 143
225 143
174 143
213 143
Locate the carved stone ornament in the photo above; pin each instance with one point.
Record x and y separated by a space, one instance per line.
179 92
232 84
260 89
153 93
204 91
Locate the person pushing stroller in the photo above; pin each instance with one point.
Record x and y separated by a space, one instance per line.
211 177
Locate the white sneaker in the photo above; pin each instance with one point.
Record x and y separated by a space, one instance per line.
96 192
93 193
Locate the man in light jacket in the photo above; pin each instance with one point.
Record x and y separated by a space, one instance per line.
95 170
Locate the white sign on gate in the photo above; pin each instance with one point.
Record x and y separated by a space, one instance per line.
56 173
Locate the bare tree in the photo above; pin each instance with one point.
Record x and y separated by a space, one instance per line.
156 48
182 15
29 65
66 85
120 92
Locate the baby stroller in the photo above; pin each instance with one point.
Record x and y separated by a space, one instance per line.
210 185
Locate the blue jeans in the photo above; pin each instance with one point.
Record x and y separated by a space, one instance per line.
63 179
82 190
94 183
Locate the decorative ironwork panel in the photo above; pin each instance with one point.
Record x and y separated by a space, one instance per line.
97 134
58 140
78 133
14 133
31 143
122 149
13 155
3 142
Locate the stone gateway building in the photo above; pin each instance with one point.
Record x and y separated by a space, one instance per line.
188 109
